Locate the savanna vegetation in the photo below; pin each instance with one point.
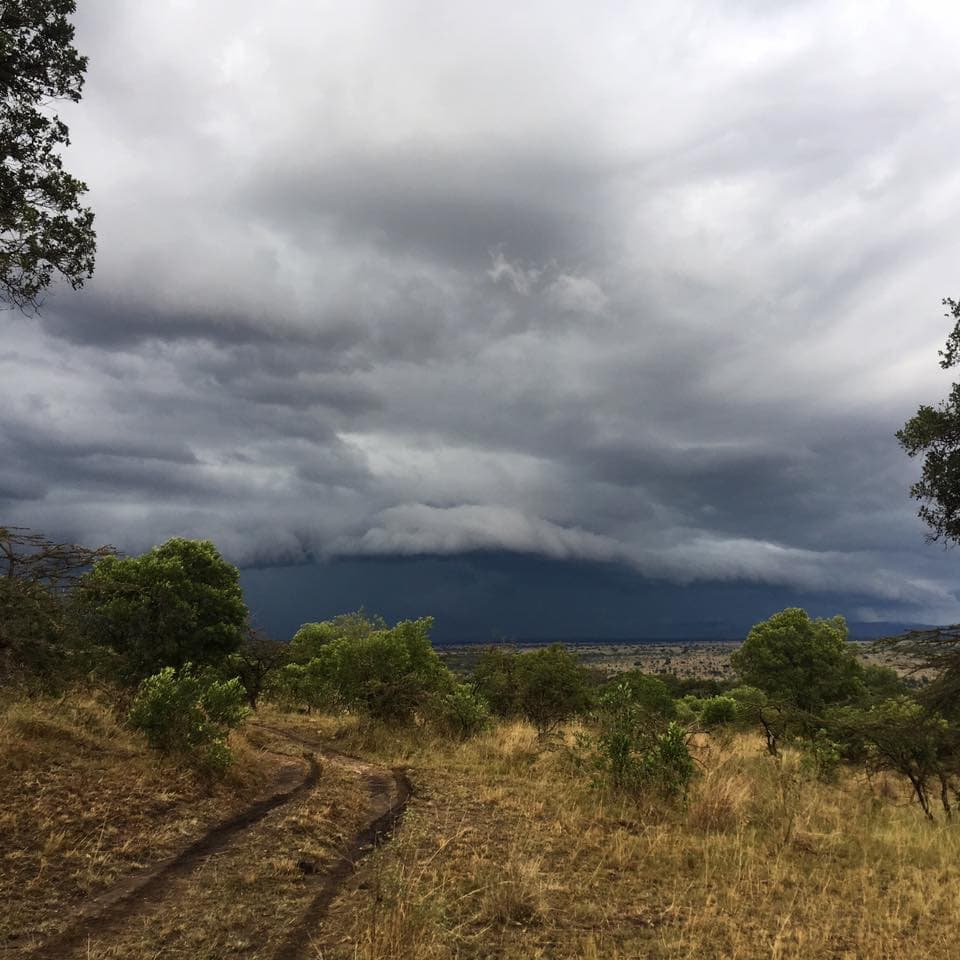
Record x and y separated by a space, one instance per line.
173 783
804 809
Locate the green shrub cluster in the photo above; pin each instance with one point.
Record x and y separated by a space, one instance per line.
546 686
637 750
185 713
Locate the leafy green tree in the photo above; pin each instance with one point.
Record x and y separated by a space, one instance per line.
306 686
44 229
798 662
934 433
650 693
552 687
387 673
718 711
308 641
179 602
458 711
496 679
255 664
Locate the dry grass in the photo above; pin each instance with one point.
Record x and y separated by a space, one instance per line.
83 803
505 852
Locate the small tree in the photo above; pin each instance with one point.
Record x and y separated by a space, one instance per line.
255 664
650 693
496 679
387 674
458 712
900 735
179 602
310 639
934 433
552 687
798 662
37 642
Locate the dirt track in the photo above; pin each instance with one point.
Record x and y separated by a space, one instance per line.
104 925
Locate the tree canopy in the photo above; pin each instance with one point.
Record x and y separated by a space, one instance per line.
44 228
180 602
799 662
934 433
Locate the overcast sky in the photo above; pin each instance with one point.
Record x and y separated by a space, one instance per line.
647 286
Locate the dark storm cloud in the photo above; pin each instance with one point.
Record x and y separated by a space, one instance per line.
649 288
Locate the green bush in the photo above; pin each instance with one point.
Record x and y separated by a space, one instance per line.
181 712
551 687
460 712
311 638
749 702
718 712
636 752
387 673
495 678
650 693
306 686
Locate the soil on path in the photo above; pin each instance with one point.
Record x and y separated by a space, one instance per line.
257 885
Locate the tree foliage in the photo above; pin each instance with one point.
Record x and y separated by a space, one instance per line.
934 433
179 602
798 662
255 663
310 639
636 749
182 711
37 643
44 228
552 687
902 736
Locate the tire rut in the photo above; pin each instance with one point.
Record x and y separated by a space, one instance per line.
375 834
109 911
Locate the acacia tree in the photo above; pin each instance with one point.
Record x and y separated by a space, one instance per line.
44 228
36 575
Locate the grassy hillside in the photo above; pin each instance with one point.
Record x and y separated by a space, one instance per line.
506 850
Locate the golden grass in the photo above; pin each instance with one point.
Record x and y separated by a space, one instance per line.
507 852
83 802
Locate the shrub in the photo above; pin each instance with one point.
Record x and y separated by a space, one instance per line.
302 685
636 752
387 673
311 638
651 694
181 712
461 712
718 711
902 736
496 679
256 664
551 687
749 702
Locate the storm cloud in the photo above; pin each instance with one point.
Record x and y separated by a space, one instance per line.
645 286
